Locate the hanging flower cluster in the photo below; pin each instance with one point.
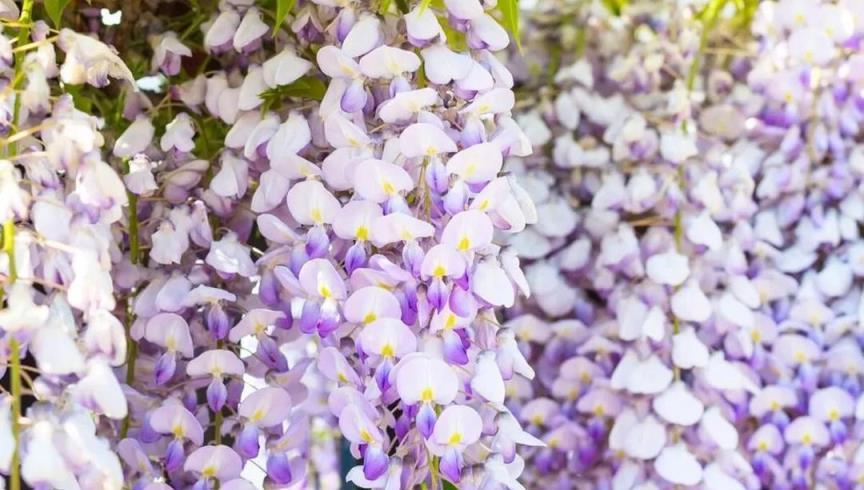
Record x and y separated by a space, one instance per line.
386 252
291 234
694 267
60 205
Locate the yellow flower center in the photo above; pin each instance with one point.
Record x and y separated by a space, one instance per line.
257 415
451 322
393 67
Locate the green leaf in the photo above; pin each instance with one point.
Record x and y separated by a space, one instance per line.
449 486
283 8
384 6
510 18
711 12
307 87
403 6
420 79
211 134
55 9
455 39
745 10
81 101
424 4
616 6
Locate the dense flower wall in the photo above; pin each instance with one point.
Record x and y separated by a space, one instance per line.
696 262
431 244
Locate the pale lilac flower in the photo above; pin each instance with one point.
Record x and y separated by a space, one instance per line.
89 60
457 428
167 53
216 462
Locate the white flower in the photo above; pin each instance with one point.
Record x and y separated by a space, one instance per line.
179 134
21 312
641 376
702 230
140 179
677 147
687 350
167 50
92 288
7 440
135 139
718 429
677 465
90 60
100 391
678 406
669 268
13 199
690 304
231 257
42 462
645 439
251 29
721 374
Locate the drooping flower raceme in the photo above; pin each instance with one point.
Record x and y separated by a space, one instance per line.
307 238
61 203
394 265
692 330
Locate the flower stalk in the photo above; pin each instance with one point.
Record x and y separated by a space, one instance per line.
135 259
9 249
